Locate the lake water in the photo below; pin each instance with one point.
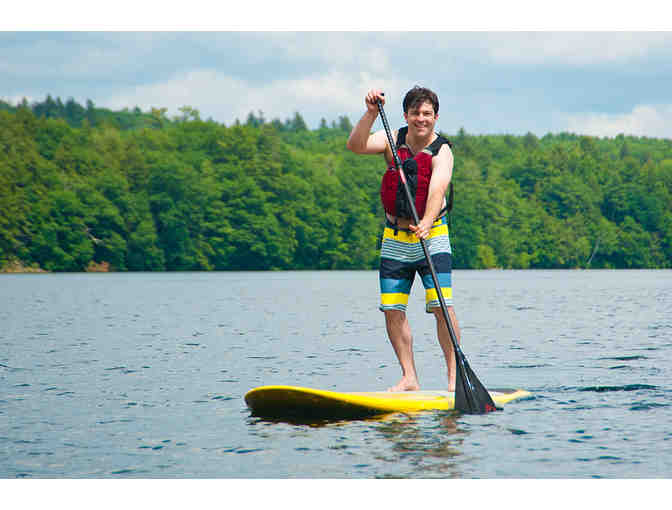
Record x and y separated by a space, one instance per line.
143 375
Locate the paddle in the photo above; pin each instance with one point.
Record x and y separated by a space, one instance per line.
470 394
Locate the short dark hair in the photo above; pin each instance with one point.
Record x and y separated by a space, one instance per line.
418 95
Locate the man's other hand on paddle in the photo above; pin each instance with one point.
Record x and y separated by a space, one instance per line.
423 229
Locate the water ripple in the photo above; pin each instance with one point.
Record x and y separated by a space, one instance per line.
627 387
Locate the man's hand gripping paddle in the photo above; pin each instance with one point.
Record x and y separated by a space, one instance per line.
470 395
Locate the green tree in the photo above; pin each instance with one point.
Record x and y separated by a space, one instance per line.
143 192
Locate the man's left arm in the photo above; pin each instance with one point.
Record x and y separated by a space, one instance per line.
442 172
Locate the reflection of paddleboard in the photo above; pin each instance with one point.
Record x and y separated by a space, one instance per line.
292 401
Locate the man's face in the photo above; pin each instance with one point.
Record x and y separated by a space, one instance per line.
421 119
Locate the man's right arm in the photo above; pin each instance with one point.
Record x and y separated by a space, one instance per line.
361 140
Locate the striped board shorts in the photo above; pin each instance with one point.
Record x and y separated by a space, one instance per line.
401 255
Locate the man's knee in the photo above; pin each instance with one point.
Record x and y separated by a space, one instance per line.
438 313
395 316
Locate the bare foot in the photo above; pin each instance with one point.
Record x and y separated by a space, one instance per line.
406 384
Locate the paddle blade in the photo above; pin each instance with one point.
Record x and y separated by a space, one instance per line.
471 397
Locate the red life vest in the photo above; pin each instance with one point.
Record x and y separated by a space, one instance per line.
392 191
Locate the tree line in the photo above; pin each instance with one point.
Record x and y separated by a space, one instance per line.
84 188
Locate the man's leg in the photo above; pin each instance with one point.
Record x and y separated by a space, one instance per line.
442 259
446 343
400 336
397 272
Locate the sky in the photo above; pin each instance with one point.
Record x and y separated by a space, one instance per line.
494 80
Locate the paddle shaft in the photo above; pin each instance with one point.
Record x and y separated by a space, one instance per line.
409 197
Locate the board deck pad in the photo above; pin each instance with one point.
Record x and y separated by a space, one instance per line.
295 401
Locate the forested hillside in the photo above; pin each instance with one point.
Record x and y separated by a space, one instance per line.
87 188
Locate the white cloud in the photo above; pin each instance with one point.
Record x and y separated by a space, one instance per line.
645 120
15 100
225 98
573 48
338 49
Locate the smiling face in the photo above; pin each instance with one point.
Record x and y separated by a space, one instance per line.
421 119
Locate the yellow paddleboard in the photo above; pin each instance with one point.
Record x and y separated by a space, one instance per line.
293 401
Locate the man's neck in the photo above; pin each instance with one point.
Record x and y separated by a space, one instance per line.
417 143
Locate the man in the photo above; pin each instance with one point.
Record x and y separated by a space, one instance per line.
401 253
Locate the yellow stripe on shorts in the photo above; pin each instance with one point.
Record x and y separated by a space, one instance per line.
397 298
438 228
431 295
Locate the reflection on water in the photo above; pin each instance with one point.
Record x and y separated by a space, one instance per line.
429 443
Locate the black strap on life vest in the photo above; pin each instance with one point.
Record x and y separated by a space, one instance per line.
434 148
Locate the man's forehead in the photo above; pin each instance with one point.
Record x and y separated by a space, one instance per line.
421 106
